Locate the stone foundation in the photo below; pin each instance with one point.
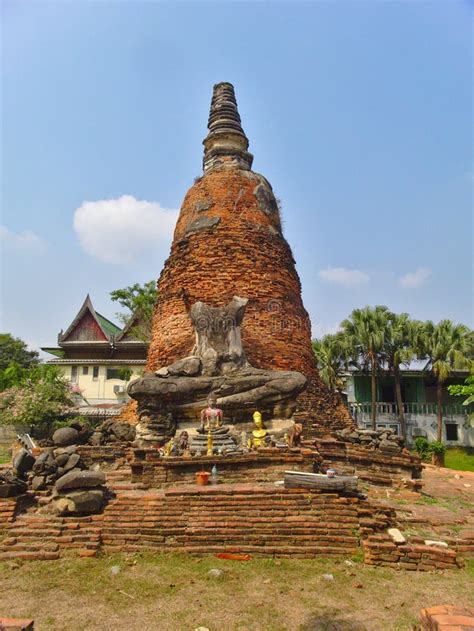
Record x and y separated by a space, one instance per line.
379 549
266 465
370 465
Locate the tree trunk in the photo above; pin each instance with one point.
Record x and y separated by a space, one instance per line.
398 395
374 394
439 397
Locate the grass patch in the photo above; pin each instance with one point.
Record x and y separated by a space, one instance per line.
460 458
5 456
428 500
173 592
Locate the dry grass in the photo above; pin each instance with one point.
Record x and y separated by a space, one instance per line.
175 592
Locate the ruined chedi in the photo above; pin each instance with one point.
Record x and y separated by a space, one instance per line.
228 242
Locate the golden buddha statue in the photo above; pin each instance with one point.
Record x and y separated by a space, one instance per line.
259 434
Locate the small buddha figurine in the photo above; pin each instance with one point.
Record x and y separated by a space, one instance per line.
170 448
259 434
183 441
211 417
293 438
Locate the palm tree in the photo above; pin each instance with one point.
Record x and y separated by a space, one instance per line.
331 358
399 349
365 332
447 347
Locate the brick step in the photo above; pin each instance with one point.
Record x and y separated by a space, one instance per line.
29 556
29 546
37 533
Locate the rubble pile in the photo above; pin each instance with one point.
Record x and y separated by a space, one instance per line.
112 431
386 440
59 475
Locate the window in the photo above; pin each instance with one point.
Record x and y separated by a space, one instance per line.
74 374
113 373
95 373
451 431
85 370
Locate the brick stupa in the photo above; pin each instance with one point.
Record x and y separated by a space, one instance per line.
228 241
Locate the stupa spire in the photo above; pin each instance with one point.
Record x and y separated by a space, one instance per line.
226 143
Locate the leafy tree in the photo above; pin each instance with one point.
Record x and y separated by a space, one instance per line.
40 395
331 353
466 390
447 347
14 350
365 332
140 301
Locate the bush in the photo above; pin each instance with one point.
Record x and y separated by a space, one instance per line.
40 396
436 447
422 447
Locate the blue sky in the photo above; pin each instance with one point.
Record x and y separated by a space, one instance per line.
359 113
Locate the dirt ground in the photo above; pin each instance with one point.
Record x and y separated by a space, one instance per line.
176 592
444 509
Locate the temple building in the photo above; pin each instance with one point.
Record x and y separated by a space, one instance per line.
98 357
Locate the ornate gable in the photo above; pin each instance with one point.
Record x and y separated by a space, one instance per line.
89 326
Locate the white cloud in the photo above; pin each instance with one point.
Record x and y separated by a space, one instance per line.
26 241
123 230
343 276
319 330
416 279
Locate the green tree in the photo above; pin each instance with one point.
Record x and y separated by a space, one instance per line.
400 336
447 347
365 332
331 353
40 395
140 302
466 391
14 350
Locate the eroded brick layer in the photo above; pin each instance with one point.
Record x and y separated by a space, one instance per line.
228 242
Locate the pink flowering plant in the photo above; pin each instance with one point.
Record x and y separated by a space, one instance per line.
33 396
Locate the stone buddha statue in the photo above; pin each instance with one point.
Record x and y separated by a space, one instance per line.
259 434
211 417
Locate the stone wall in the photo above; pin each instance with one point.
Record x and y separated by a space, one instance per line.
260 520
379 549
228 242
370 465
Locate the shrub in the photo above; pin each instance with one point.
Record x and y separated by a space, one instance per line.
422 447
40 396
436 447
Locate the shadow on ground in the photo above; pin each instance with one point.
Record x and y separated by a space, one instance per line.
330 621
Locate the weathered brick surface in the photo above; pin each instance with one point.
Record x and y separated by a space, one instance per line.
7 509
260 519
381 550
244 254
370 465
266 465
447 618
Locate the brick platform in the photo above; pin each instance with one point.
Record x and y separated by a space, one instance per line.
16 624
260 519
447 618
266 465
256 519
